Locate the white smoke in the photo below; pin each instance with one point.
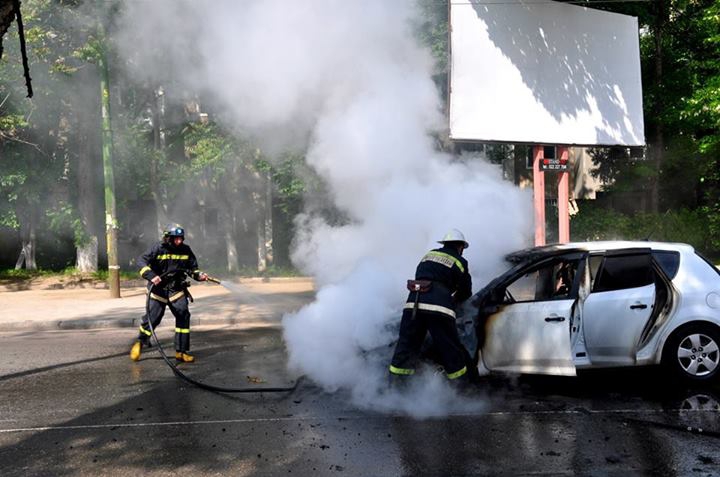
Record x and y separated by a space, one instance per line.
349 78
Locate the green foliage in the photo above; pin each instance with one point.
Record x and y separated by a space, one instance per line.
214 152
92 51
42 134
594 222
432 31
10 274
62 216
36 135
10 123
289 187
134 154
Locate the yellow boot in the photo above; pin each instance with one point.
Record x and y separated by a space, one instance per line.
136 350
184 357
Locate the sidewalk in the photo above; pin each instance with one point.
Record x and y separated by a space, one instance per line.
249 300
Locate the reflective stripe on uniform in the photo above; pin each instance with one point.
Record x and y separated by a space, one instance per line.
145 332
428 307
182 330
443 259
144 269
158 298
172 256
401 371
177 296
457 374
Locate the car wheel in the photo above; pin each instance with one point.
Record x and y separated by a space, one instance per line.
693 353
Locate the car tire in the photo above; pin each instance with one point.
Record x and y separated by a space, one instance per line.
692 353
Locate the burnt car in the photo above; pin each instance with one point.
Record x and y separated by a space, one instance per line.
564 308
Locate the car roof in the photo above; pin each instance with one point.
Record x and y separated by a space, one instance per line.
599 246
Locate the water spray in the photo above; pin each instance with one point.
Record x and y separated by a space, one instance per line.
183 376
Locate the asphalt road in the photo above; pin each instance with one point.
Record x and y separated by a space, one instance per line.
74 404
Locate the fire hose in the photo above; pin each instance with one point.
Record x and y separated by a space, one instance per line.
183 376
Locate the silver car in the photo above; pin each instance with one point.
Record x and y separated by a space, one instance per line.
575 306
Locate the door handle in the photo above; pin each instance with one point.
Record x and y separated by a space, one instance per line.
638 307
554 318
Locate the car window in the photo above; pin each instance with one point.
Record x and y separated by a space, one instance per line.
669 261
619 272
595 261
552 280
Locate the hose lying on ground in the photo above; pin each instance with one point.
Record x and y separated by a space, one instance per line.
184 377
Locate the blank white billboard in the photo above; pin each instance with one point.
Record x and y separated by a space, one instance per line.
543 72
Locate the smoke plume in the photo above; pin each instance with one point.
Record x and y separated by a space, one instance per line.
351 83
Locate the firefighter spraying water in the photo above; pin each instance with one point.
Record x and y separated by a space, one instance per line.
166 266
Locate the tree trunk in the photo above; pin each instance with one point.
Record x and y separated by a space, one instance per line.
87 200
27 253
226 198
87 256
228 230
264 224
157 190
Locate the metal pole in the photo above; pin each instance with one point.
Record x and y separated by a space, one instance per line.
110 209
563 198
539 195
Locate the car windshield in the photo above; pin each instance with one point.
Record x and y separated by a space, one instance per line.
549 280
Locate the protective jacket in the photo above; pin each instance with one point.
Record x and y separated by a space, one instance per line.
163 257
451 282
159 260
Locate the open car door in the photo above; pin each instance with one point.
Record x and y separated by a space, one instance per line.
628 296
529 329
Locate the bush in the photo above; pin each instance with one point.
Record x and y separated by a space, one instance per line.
686 226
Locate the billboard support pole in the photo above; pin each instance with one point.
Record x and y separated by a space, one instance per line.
563 198
539 195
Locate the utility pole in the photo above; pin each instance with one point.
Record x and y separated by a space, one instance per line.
110 209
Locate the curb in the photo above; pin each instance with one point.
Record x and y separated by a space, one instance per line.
91 324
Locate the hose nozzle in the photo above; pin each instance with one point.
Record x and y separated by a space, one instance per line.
213 279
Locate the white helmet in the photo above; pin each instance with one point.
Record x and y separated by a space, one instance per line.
454 235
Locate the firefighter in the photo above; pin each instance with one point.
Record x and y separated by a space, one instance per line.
442 280
165 266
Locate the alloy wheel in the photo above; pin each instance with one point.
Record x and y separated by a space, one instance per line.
698 354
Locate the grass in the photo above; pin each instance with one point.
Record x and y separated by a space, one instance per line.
12 275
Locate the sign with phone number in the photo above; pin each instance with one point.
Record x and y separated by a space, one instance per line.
554 165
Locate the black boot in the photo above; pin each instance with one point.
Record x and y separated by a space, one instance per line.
398 382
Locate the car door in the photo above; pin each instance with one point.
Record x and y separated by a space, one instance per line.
530 331
619 306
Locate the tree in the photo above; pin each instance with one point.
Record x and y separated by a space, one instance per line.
34 133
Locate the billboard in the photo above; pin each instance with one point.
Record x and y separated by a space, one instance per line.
544 72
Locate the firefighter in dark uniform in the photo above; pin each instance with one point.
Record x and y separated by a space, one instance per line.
165 266
442 280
